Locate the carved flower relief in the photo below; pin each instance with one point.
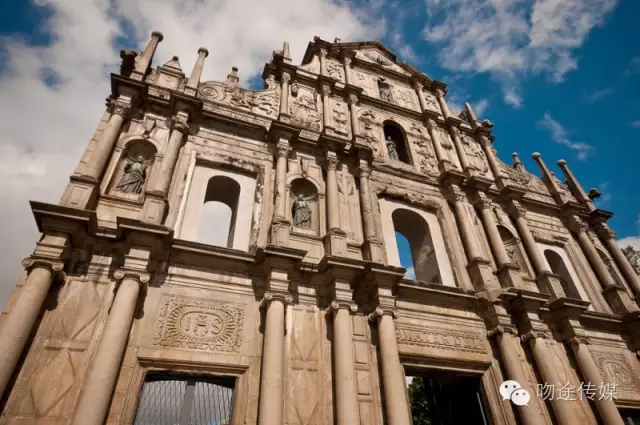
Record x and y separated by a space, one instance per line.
305 110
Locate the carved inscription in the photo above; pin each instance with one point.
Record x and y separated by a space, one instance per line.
199 324
440 338
616 368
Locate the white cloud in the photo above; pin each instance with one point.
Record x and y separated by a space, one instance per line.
512 39
480 107
599 94
44 130
634 241
410 273
560 135
635 124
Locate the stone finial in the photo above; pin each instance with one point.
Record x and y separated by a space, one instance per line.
575 186
472 115
174 63
143 61
194 78
158 35
204 51
232 78
517 164
128 61
594 193
286 54
337 40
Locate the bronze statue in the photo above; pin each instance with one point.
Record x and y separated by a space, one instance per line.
301 213
135 174
392 149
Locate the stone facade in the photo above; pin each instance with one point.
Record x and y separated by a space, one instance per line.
517 277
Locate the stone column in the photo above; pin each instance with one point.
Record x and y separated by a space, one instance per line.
144 60
95 399
281 179
284 94
488 151
484 205
271 409
395 386
609 237
457 198
346 399
443 104
508 348
333 200
418 88
544 361
455 135
607 408
353 110
581 228
347 70
120 110
431 126
194 78
326 106
372 245
323 61
18 324
180 128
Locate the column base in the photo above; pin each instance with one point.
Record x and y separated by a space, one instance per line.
481 275
509 276
81 192
154 207
335 243
280 229
619 300
372 251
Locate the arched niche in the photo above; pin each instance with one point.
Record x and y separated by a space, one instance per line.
514 249
423 232
559 267
395 140
219 212
133 170
613 271
304 209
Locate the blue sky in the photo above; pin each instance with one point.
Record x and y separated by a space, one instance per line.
560 77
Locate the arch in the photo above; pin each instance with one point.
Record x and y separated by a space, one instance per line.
558 267
219 212
133 186
423 252
396 133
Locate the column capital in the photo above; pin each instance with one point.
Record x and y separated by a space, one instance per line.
140 276
605 231
577 224
380 311
417 85
365 170
283 149
517 210
331 160
353 99
286 76
576 340
119 107
283 297
180 126
535 334
326 89
338 304
482 201
454 194
346 59
322 52
41 262
440 92
501 329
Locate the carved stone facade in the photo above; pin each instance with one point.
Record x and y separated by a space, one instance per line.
304 304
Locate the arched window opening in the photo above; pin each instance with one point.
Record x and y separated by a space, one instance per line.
406 259
612 269
559 268
304 207
218 218
421 251
396 142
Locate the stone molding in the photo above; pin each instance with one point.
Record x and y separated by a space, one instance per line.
34 262
270 296
439 338
118 107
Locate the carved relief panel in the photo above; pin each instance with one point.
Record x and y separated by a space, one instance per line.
617 369
349 205
305 107
476 156
265 102
340 117
448 149
335 69
371 130
422 148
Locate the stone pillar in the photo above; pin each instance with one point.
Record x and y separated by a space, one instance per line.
609 237
280 225
333 200
431 126
18 324
457 198
326 106
419 89
544 361
464 162
284 94
346 399
443 104
372 245
194 78
347 70
95 399
485 206
514 368
144 60
395 386
353 110
323 61
607 408
488 151
180 128
271 409
120 110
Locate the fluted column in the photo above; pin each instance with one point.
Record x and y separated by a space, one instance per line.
333 200
18 324
323 61
163 181
271 409
548 371
609 236
508 349
120 110
284 93
144 60
607 408
95 399
353 111
344 378
393 382
194 78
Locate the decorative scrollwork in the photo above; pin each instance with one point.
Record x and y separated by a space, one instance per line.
32 262
380 311
270 296
140 276
121 108
338 304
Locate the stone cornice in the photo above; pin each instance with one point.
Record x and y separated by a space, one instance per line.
56 218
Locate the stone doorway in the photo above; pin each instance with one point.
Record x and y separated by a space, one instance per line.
447 398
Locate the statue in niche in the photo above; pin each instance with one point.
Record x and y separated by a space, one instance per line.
385 90
135 174
511 252
301 213
392 149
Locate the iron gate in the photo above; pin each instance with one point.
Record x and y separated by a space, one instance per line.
167 400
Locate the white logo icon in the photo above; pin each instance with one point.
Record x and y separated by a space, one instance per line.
512 390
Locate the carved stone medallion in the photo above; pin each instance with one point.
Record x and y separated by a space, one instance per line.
616 369
199 324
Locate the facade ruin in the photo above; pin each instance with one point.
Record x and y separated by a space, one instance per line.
127 313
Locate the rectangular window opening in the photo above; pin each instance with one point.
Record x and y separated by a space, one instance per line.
630 416
171 399
446 398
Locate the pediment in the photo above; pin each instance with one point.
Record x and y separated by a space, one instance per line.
381 58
